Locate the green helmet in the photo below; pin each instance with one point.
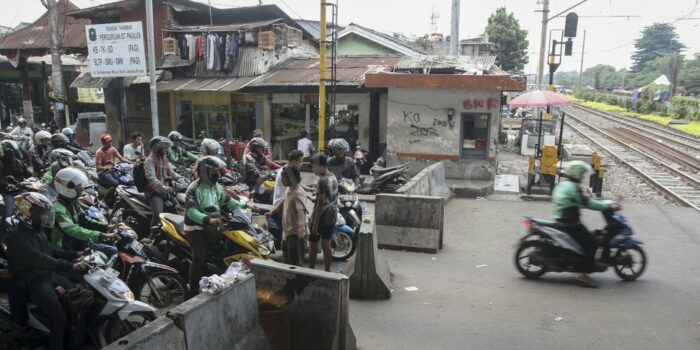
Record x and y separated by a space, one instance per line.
577 170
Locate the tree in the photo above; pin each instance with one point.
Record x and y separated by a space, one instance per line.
651 70
603 76
657 40
511 41
689 77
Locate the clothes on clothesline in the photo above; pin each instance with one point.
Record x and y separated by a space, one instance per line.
218 51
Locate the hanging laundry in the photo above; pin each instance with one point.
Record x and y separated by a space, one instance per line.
227 57
222 52
199 47
192 46
184 49
233 47
205 48
249 38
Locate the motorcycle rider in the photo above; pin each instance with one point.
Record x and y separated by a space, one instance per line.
70 134
42 140
22 129
203 220
105 160
57 159
254 162
209 147
340 164
73 227
176 154
159 175
60 140
10 166
39 265
569 199
257 133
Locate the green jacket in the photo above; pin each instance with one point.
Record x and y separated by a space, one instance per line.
204 201
568 199
47 178
176 155
71 220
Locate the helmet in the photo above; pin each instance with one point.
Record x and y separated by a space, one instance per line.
209 144
160 142
209 169
340 144
577 170
22 122
41 135
257 142
34 210
59 140
61 156
257 133
68 132
9 145
70 182
175 136
105 138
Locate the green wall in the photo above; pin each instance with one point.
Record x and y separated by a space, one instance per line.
353 44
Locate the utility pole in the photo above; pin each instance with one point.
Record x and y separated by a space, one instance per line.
583 52
59 91
454 34
543 43
152 67
322 81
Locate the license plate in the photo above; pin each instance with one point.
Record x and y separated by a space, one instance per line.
137 246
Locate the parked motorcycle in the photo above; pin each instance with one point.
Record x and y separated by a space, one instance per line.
386 180
114 312
548 248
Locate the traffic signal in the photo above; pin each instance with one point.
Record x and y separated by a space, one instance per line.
568 47
571 25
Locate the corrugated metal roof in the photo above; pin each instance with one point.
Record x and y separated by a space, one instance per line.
86 80
36 36
221 28
461 63
205 84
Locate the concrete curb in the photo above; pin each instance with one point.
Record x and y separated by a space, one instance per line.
370 277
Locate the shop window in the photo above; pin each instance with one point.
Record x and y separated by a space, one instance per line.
475 131
243 114
288 121
211 121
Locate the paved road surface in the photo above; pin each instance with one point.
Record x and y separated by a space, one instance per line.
462 304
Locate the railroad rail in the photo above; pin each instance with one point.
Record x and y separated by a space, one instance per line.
677 184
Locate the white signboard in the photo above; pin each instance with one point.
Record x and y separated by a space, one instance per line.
116 50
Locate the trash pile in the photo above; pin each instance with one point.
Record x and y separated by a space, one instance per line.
216 284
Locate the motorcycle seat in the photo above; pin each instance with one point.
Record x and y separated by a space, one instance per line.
177 220
135 193
545 222
376 171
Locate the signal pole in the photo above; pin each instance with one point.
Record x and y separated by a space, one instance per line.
583 52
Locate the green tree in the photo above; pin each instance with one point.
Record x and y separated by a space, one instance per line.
689 77
652 70
503 29
657 40
603 76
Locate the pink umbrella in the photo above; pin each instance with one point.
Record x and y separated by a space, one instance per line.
539 99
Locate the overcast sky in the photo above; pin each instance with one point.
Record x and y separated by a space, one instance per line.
608 40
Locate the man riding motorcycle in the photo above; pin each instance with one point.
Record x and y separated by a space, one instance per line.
73 227
70 134
57 159
203 223
209 147
160 176
22 129
254 161
176 154
40 266
59 140
568 199
340 164
42 140
10 166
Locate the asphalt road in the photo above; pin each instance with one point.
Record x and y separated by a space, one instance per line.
471 297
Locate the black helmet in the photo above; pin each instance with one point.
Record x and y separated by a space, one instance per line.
59 140
159 142
175 136
257 142
209 169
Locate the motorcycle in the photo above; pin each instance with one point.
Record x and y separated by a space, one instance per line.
547 248
125 177
240 240
114 312
386 180
156 284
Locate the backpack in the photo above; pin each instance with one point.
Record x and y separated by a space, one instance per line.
140 180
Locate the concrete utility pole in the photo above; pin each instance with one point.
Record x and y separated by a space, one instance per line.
152 67
59 91
322 81
454 34
543 43
583 52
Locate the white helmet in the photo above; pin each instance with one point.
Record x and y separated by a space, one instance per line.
209 144
61 155
41 135
70 182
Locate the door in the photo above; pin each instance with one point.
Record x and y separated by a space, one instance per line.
475 135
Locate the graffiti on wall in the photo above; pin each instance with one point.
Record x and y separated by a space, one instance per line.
479 103
423 131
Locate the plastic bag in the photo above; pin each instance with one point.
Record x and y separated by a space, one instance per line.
216 284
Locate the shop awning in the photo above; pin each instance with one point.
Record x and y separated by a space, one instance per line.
205 84
86 81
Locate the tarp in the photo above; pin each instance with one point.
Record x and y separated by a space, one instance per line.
662 80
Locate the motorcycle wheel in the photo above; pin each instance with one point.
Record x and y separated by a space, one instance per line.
626 266
164 291
114 328
342 246
522 260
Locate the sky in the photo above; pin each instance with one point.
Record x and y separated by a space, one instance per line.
609 40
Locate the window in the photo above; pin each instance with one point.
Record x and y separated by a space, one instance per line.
475 135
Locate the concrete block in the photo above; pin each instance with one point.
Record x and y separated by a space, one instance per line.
409 222
370 277
225 321
506 184
159 334
307 307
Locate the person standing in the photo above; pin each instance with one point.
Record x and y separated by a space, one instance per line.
40 152
325 211
306 146
293 216
134 151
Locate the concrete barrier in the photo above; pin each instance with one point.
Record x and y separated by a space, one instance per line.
225 321
409 222
369 273
428 182
159 334
302 308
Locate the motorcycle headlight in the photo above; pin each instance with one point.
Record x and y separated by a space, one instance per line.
348 204
129 296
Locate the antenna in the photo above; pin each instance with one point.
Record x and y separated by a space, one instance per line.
434 17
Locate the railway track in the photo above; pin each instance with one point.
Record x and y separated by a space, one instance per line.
679 185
